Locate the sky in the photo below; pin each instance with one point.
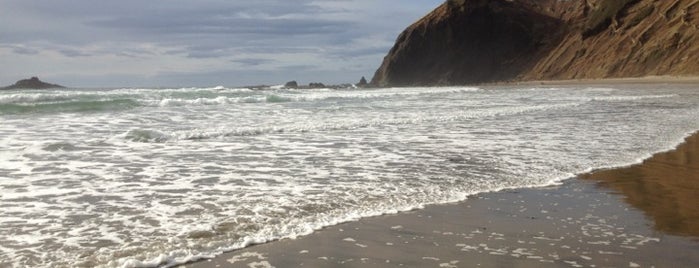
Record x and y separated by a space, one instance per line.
130 43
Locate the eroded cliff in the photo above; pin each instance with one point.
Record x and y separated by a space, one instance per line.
475 41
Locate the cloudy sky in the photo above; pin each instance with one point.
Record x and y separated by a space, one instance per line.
90 43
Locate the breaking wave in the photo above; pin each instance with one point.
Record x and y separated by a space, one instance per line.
183 174
69 106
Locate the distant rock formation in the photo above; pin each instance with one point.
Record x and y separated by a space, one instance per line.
362 82
316 85
475 41
291 84
32 83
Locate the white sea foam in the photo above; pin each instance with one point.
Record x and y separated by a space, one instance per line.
632 98
194 172
32 97
141 135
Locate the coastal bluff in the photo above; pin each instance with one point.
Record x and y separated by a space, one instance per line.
32 83
480 41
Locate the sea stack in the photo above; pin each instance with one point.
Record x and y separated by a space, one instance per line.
291 84
477 41
362 82
32 83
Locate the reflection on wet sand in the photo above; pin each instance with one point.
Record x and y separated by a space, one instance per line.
665 187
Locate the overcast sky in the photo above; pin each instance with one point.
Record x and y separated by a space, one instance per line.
90 43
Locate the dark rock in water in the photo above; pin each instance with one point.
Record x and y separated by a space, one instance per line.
316 85
32 83
291 84
476 41
362 82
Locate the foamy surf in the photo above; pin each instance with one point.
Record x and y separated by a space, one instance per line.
159 177
107 100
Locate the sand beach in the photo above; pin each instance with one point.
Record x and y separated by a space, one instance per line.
643 215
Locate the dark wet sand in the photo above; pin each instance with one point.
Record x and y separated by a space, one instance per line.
641 216
665 187
691 80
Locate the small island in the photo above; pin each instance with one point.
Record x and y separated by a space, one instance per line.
32 83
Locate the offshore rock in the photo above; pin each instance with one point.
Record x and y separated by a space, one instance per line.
32 83
316 85
291 84
362 82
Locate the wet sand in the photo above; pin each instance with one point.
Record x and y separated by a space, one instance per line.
645 215
665 187
692 80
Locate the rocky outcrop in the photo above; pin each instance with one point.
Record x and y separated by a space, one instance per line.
316 85
32 83
362 82
312 85
291 84
475 41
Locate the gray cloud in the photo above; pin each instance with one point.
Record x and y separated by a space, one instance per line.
25 51
252 61
72 53
214 25
201 40
131 53
299 67
358 52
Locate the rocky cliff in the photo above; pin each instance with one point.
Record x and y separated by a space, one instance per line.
475 41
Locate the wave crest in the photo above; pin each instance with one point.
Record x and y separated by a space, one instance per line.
146 135
198 134
69 107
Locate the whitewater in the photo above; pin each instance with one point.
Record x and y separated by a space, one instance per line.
158 177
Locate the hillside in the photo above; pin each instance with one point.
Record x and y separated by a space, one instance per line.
475 41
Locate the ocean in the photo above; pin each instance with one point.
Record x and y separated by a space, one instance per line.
140 177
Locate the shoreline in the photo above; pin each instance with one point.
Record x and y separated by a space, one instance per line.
664 187
587 221
661 79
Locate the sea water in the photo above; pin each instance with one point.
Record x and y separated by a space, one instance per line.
157 177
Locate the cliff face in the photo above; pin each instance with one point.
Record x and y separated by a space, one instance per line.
474 41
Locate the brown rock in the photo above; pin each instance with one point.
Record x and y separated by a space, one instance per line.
475 41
